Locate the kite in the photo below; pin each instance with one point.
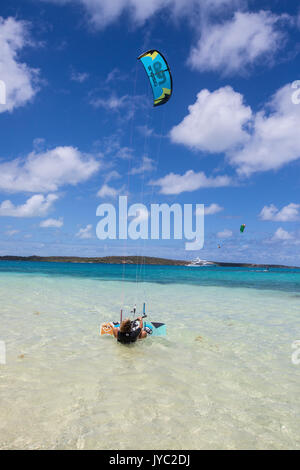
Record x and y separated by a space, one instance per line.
159 75
242 228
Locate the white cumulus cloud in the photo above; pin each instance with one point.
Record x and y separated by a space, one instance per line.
85 232
47 171
252 142
107 191
215 122
190 181
20 80
52 223
112 103
36 206
231 38
282 234
289 213
146 165
212 209
112 175
275 140
101 13
233 45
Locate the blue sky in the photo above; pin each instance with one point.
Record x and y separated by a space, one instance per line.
78 128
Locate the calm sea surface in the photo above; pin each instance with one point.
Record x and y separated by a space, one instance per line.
222 378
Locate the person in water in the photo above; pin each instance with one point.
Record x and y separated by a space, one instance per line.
130 331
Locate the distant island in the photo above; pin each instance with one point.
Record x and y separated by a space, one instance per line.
137 260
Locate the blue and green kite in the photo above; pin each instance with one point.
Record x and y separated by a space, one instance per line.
159 75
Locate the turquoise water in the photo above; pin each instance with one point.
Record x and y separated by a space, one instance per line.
257 278
222 378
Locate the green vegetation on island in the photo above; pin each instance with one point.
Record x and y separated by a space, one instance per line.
135 260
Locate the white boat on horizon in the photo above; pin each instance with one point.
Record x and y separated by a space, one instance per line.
200 262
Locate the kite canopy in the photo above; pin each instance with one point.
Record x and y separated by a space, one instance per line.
242 228
159 75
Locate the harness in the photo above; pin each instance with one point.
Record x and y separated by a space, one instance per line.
126 338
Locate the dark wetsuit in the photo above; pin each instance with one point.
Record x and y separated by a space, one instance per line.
131 337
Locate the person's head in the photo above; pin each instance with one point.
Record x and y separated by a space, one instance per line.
125 326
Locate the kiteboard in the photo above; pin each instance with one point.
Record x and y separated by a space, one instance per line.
152 328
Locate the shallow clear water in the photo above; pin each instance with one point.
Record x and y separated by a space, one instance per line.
222 378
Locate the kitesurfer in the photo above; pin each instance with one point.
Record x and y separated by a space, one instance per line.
130 331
